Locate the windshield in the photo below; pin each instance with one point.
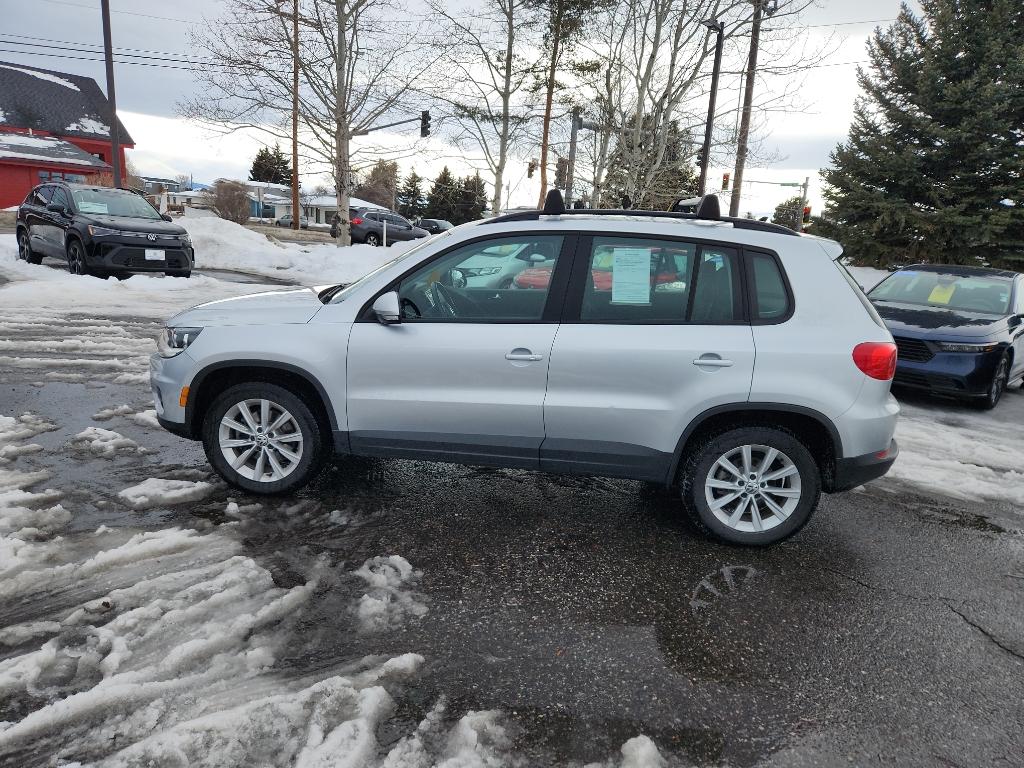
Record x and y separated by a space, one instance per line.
942 290
113 202
347 291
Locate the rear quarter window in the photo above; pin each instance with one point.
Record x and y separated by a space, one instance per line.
771 299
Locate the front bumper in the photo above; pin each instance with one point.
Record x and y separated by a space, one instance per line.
128 254
857 470
963 374
167 377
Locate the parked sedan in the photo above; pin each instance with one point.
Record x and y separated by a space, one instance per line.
100 231
433 226
368 227
959 330
286 221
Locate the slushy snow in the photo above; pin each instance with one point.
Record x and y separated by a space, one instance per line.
156 492
389 599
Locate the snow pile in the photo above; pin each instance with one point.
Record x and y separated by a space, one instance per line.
22 427
106 414
222 244
389 599
144 418
103 442
154 492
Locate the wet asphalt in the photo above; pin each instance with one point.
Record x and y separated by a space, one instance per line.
889 631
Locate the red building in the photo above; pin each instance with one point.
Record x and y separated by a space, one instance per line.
52 125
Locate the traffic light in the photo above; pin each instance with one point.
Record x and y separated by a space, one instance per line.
725 181
807 214
425 123
530 168
561 172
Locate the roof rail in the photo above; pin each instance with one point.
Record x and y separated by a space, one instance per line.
707 210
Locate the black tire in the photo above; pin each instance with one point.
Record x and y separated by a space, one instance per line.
372 239
697 466
997 386
76 258
25 249
313 444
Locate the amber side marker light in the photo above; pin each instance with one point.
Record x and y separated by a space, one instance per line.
183 397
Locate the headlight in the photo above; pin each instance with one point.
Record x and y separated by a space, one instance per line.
480 271
185 238
100 231
174 341
948 346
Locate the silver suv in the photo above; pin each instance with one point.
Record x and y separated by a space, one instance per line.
728 358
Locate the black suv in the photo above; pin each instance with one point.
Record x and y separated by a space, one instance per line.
367 226
100 231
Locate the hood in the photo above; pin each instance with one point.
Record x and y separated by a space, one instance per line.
935 322
133 224
294 305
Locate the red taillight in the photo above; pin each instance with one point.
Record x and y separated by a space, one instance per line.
357 221
877 359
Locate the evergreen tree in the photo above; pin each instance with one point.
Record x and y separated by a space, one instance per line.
444 196
472 199
411 201
380 185
933 167
789 213
271 166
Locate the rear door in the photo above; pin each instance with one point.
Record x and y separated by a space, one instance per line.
37 220
58 222
462 377
654 333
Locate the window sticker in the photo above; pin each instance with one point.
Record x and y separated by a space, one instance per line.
86 206
631 276
941 294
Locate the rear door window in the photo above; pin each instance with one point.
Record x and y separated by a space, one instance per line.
770 297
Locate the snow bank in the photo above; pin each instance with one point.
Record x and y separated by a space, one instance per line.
155 491
389 601
222 244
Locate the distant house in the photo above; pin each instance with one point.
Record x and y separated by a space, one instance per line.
53 125
155 184
320 209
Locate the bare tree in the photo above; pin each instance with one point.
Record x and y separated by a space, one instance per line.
354 73
489 68
229 200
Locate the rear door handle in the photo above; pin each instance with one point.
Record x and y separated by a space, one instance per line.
523 354
712 362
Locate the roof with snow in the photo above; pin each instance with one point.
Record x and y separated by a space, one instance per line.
55 102
46 149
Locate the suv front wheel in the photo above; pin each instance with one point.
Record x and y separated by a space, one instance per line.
751 485
262 438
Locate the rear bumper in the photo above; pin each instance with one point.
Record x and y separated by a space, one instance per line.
857 470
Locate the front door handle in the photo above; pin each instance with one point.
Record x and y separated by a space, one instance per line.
712 362
519 353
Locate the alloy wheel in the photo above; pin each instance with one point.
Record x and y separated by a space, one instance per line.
260 440
995 391
24 251
752 488
371 239
76 261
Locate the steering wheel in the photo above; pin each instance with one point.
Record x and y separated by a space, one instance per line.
443 300
407 302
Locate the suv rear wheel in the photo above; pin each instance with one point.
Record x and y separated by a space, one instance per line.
25 249
262 438
751 485
372 239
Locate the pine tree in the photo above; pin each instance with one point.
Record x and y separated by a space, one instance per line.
380 185
411 201
271 166
472 199
933 167
790 213
443 199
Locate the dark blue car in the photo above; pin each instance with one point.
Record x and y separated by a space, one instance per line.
959 330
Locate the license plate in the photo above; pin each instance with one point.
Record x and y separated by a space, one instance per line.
154 254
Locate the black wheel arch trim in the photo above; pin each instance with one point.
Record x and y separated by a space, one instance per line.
197 382
800 410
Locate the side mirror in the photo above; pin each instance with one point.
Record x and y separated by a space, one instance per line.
55 208
457 278
166 217
387 309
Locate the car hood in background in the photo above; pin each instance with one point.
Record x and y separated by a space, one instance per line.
936 322
294 305
133 224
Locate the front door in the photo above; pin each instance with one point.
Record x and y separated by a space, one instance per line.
462 377
37 219
654 334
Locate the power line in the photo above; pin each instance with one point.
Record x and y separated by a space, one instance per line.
125 13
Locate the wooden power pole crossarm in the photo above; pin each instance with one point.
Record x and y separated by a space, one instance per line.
748 99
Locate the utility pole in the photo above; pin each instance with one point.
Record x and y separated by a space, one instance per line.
296 213
803 204
705 156
572 155
748 99
115 140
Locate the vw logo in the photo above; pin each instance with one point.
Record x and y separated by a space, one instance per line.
151 237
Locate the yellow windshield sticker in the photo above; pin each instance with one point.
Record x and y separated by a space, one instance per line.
941 294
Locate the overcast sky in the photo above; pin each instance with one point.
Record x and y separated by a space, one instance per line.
798 142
